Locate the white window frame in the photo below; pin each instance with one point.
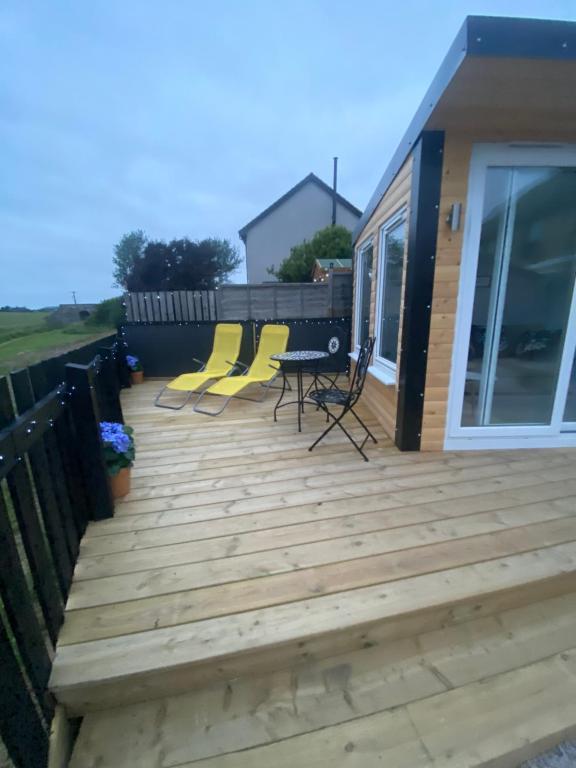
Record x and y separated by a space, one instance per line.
505 436
358 278
382 368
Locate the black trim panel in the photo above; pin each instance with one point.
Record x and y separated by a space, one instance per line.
419 284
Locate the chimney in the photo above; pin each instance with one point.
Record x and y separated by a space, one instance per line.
334 185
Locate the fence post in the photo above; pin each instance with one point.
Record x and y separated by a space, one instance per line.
111 388
84 407
330 308
249 315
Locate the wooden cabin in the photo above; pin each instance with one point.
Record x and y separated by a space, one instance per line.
465 258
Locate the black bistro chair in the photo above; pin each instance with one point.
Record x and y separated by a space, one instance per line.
347 399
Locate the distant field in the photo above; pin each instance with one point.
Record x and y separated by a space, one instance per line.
21 319
13 324
25 339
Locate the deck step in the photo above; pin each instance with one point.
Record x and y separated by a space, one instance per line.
146 665
489 692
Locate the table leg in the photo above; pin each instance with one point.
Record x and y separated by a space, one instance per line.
300 397
281 393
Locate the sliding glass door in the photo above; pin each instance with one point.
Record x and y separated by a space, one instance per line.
514 363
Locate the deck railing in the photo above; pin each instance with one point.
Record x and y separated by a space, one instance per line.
52 482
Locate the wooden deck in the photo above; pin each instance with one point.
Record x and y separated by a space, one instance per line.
254 604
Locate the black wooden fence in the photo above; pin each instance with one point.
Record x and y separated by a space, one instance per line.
52 483
168 349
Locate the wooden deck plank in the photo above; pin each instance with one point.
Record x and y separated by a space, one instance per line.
260 557
181 607
281 474
387 457
244 714
490 724
239 551
247 531
147 664
326 487
328 502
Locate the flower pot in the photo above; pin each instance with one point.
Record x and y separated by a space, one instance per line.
136 377
120 483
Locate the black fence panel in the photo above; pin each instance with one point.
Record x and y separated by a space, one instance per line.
330 335
53 480
24 731
169 349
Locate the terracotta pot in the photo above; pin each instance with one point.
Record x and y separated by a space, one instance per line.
120 483
136 377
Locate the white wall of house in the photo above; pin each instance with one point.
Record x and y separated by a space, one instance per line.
298 218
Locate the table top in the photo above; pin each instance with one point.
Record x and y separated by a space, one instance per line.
300 356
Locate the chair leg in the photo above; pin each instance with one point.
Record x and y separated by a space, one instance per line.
359 420
360 447
158 404
337 422
210 413
327 430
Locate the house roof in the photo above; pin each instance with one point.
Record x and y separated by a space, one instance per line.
310 179
480 37
334 263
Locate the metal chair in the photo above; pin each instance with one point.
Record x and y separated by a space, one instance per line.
222 362
263 371
347 399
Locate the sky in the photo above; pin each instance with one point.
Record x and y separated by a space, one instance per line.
186 118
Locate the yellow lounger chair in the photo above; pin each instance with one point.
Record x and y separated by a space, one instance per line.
263 371
222 362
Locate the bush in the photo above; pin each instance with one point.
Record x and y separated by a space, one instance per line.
109 312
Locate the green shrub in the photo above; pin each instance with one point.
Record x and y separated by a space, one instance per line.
109 312
329 243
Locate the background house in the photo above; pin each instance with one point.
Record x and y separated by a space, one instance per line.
293 218
466 254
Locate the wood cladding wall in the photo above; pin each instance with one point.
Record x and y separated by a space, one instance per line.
382 398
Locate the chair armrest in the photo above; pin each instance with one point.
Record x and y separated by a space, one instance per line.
234 367
241 364
201 362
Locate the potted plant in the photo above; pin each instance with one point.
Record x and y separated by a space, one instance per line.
136 370
119 453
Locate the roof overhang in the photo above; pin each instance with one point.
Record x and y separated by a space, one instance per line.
503 69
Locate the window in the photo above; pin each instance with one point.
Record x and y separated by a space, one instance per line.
363 291
392 240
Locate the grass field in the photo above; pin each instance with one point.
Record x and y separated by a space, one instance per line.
13 324
25 339
19 320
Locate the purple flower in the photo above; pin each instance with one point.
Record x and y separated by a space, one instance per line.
115 436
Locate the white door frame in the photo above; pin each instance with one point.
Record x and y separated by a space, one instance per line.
512 436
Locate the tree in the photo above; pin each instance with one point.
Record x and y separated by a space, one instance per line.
332 242
126 253
183 265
